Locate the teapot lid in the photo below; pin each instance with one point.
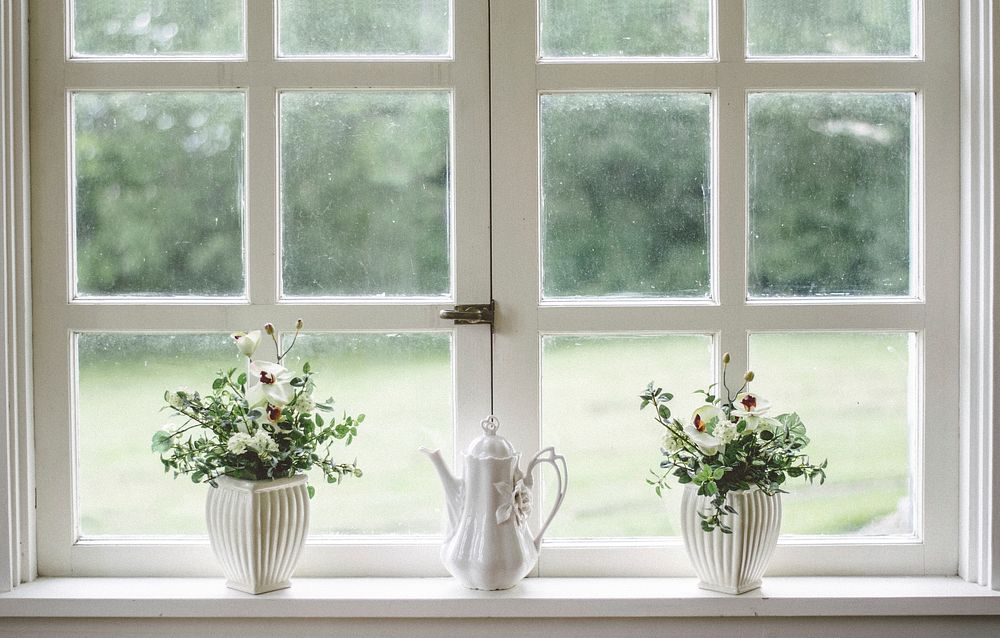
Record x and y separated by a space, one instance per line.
490 444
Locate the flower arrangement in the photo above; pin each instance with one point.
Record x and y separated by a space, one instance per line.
258 424
730 444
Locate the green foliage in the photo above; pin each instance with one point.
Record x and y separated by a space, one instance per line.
224 434
729 446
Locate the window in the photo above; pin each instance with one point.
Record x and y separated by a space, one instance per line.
639 185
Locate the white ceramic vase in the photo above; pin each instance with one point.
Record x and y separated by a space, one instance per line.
731 563
257 530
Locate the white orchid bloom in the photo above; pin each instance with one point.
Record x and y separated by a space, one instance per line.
247 342
707 443
748 404
270 383
707 415
752 408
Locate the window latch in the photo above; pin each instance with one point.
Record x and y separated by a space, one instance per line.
468 314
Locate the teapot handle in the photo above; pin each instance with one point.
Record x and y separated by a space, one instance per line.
548 455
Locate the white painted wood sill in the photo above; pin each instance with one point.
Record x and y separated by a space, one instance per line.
533 598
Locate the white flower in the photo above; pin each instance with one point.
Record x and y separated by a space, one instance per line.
238 443
752 409
748 404
707 417
725 432
519 505
270 383
707 443
305 404
247 342
263 443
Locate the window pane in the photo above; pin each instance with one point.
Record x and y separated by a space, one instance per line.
403 384
821 27
157 28
590 413
855 394
625 194
159 193
122 378
363 27
625 28
829 180
365 193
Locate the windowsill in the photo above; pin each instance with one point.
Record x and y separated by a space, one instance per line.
534 598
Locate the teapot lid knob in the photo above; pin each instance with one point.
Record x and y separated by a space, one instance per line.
490 425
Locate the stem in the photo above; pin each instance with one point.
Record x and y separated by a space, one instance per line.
290 346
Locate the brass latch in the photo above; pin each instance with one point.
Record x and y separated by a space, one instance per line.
467 314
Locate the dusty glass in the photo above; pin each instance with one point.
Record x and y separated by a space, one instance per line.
853 391
402 382
625 28
365 193
829 179
157 28
122 487
159 193
364 28
852 28
626 201
590 413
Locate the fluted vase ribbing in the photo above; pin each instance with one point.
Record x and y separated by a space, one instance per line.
731 563
257 530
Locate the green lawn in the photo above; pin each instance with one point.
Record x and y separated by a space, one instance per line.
850 390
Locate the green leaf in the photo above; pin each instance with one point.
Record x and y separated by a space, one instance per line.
218 383
162 441
309 488
242 379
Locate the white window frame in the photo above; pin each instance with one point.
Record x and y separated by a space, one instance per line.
978 533
519 78
261 76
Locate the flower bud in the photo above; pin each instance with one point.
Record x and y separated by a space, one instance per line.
726 359
748 377
299 324
269 328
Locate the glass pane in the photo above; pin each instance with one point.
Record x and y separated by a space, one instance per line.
855 394
122 378
158 28
625 28
364 27
159 193
590 413
824 28
829 180
365 193
625 194
403 384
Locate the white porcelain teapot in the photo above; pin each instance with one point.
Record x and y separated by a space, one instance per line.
488 544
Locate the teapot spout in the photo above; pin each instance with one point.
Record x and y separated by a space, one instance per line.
452 487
